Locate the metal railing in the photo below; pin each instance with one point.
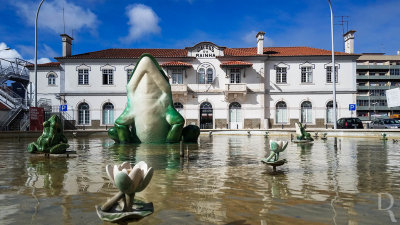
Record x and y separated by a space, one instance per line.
14 70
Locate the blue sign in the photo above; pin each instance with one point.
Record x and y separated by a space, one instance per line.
63 107
352 107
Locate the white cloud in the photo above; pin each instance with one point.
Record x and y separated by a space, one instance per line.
12 54
51 16
250 39
142 21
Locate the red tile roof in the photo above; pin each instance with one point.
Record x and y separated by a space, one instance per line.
280 51
50 64
129 53
177 64
236 63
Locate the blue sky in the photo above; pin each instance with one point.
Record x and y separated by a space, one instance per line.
101 24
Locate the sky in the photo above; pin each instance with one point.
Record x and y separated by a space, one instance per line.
103 24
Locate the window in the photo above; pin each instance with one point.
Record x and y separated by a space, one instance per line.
395 72
108 114
377 93
129 74
361 73
235 75
281 112
179 107
382 73
306 74
362 102
83 114
108 78
202 76
52 79
306 112
210 76
329 74
83 76
329 112
372 73
177 76
280 75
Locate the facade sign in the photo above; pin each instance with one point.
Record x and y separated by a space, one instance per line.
205 51
63 108
36 118
352 107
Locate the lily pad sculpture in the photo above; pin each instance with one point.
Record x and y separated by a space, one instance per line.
129 180
384 137
150 116
302 135
273 159
324 137
52 140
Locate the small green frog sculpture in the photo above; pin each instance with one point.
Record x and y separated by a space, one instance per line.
150 116
276 147
301 133
52 140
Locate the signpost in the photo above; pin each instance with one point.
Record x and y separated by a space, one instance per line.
63 108
352 108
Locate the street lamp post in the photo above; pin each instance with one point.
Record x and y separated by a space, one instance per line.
37 15
333 71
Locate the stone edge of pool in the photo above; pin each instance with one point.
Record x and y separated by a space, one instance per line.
356 133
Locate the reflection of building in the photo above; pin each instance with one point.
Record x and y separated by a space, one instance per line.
376 73
212 86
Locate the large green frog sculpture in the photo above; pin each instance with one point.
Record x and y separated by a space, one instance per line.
150 116
52 140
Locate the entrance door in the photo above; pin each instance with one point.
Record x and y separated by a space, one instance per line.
235 116
206 116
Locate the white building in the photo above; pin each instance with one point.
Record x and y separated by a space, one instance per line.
213 86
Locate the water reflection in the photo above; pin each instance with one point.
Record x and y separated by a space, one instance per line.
219 180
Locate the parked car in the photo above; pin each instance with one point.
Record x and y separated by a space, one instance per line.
349 123
384 123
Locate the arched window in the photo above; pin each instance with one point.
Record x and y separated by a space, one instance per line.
210 75
108 114
202 76
306 112
206 116
329 112
51 79
83 114
235 116
179 107
281 112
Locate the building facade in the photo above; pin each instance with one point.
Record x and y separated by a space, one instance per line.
213 87
376 73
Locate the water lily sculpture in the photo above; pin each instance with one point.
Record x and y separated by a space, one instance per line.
276 147
129 180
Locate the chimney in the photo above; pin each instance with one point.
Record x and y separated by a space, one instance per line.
260 42
66 44
349 41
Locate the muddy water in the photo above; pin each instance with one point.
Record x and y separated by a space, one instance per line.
221 182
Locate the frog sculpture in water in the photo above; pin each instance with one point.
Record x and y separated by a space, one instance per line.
150 116
52 140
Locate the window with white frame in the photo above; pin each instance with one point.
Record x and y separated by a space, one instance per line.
202 76
395 72
281 112
281 73
210 75
83 76
51 79
306 74
306 112
177 76
128 74
83 114
108 76
329 74
234 75
179 107
108 114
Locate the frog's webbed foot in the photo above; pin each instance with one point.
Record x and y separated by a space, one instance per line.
59 149
176 121
122 134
